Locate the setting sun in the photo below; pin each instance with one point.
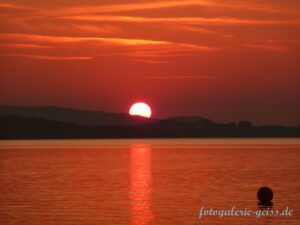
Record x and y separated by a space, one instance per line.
140 109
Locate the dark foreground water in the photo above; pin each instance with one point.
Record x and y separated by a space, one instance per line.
143 182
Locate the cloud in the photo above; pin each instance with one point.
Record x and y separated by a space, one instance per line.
199 30
170 50
152 61
115 8
181 77
105 29
273 48
185 20
65 39
132 47
8 5
152 5
18 45
290 41
52 58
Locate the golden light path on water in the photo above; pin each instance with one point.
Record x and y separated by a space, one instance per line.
145 182
140 184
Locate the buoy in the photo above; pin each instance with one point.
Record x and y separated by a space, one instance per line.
265 196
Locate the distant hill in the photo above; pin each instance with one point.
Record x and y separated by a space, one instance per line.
16 127
77 116
57 123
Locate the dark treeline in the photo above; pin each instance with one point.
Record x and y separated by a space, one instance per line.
17 127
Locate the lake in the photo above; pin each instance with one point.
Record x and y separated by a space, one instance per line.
140 182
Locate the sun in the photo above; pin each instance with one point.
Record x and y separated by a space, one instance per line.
140 109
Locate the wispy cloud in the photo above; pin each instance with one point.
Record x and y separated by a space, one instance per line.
64 39
199 30
135 48
181 77
290 41
152 5
105 29
170 50
273 48
151 61
185 20
115 8
18 45
48 57
9 5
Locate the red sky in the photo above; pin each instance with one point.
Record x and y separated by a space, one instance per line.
224 60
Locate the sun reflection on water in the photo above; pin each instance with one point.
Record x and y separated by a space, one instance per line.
140 184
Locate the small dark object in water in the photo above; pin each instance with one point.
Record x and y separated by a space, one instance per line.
265 196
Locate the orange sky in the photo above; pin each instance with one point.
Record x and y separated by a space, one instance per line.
224 60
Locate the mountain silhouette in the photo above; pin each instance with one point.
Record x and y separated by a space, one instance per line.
57 123
77 116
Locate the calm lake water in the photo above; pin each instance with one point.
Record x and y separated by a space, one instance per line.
139 182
